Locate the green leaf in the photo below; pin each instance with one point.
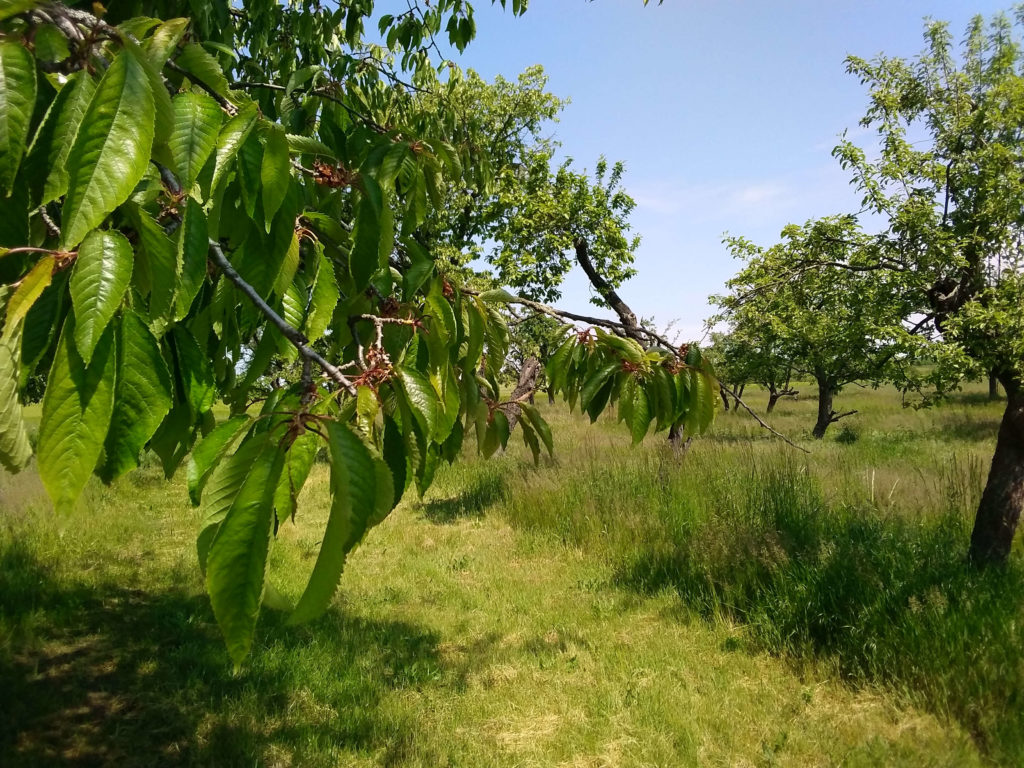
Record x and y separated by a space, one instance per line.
162 107
209 451
497 296
276 170
232 136
420 269
30 287
50 43
47 157
197 120
17 99
558 366
422 397
367 408
286 273
142 397
222 487
42 325
161 44
77 408
193 245
236 566
158 250
301 456
450 403
15 449
194 371
600 399
596 382
702 397
628 349
10 8
502 428
530 439
307 145
359 489
364 259
111 150
323 298
540 426
640 416
101 276
396 456
203 68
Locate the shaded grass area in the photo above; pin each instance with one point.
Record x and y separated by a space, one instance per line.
107 675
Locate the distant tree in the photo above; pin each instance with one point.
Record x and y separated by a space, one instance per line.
833 322
751 353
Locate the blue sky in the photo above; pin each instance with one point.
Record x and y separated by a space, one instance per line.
724 111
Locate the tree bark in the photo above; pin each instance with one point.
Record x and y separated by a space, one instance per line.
628 318
1001 502
773 398
675 439
739 394
526 386
993 386
725 398
826 415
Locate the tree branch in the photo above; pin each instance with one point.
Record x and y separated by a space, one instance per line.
299 341
630 323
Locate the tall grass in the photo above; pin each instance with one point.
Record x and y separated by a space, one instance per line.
822 565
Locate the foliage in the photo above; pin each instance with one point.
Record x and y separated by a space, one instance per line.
247 205
811 307
954 199
543 217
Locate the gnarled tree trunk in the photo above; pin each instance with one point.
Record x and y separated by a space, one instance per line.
826 394
1001 502
525 388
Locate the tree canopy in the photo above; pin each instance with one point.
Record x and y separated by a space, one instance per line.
199 199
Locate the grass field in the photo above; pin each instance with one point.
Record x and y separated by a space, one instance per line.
745 605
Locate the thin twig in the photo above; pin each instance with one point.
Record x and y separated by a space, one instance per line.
739 401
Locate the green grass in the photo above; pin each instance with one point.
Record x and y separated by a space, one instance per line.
743 605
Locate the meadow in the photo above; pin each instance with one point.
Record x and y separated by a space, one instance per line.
744 604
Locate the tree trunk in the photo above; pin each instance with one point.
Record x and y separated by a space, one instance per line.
825 412
524 389
993 386
773 398
739 394
725 398
1003 497
675 439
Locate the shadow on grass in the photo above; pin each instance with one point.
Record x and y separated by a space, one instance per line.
104 675
484 491
884 599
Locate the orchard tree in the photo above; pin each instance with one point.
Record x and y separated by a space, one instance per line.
948 173
832 320
196 197
752 353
